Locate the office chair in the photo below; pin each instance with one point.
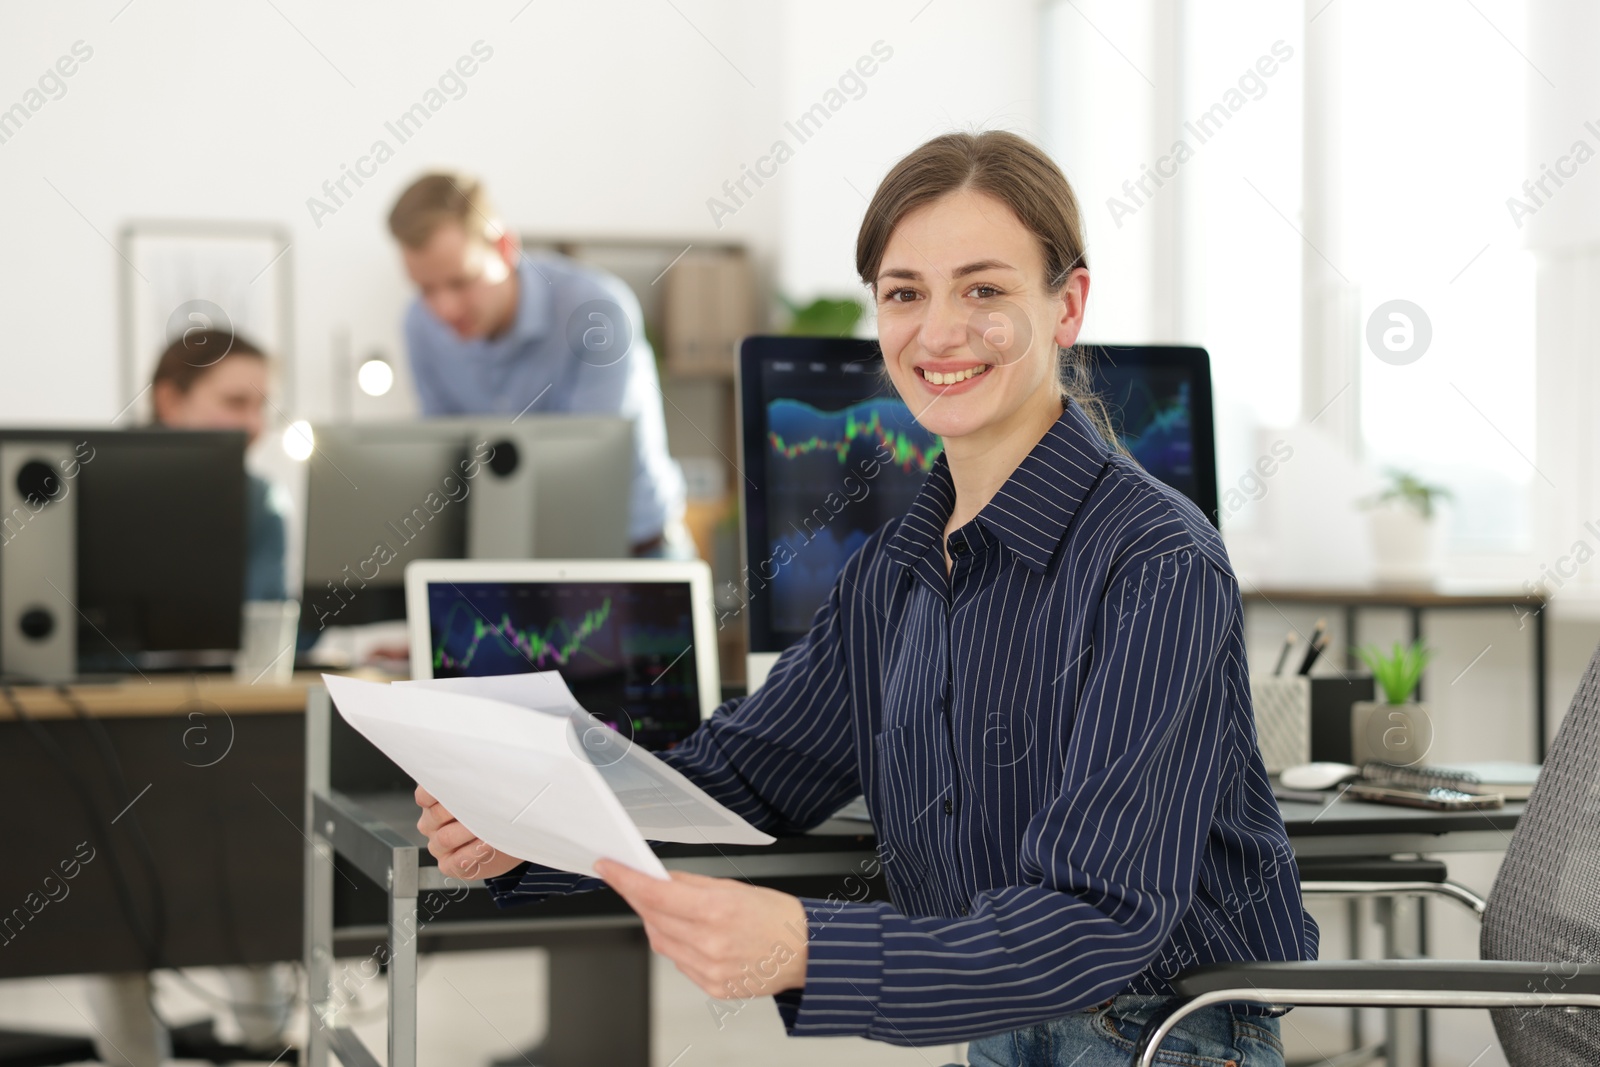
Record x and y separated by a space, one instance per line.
1538 970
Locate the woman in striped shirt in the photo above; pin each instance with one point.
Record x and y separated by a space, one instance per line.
1036 677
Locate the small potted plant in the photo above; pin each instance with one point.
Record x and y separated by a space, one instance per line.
824 316
1396 729
1405 530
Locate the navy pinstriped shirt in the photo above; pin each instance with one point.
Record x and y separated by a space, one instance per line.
1056 744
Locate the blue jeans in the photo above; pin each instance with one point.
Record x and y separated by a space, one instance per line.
1104 1037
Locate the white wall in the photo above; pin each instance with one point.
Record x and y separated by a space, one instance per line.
949 70
604 117
600 117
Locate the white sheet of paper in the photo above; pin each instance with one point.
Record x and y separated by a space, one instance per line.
556 786
510 777
664 805
539 690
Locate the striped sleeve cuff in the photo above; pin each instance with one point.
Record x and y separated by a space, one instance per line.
844 971
531 882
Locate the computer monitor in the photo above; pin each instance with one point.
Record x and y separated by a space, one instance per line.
816 412
633 639
118 548
1159 397
381 495
828 453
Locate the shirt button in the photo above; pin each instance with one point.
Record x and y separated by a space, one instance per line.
958 546
949 806
965 910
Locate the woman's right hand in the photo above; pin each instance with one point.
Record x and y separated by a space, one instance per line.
461 854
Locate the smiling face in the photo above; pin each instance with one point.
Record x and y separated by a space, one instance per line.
969 329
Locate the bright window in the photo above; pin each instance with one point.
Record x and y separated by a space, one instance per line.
1433 143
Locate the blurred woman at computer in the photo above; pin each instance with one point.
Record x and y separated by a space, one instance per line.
209 380
1036 677
218 380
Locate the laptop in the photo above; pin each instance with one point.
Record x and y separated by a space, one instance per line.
634 640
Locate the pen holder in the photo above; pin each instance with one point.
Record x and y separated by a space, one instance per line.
1283 719
1300 718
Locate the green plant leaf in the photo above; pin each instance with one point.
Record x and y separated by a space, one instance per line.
1410 490
1398 672
824 317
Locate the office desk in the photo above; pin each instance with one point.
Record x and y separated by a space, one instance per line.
162 696
214 776
600 1006
1356 828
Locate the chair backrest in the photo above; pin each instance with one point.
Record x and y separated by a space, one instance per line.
1545 904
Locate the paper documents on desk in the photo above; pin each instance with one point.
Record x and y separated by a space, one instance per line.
525 768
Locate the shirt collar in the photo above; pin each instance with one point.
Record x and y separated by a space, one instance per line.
1031 512
533 302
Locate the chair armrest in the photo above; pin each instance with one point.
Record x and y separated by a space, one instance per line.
1451 890
1443 976
1372 983
1370 869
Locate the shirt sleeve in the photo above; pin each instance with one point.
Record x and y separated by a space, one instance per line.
614 373
267 541
531 882
606 332
784 758
1108 867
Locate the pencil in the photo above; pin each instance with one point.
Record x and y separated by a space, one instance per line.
1317 632
1283 653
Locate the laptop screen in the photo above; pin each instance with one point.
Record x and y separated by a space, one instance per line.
624 648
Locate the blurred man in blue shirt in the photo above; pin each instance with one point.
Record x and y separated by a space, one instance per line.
497 332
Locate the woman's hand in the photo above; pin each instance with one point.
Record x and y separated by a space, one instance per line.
459 851
733 940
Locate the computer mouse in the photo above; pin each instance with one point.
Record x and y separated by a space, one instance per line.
1318 775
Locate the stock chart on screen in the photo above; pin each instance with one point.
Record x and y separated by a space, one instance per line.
840 455
1155 420
880 425
1159 399
621 647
